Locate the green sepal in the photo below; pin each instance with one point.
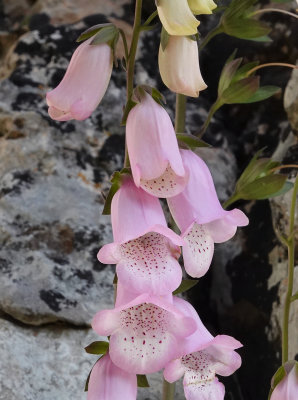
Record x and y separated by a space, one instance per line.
277 377
109 35
88 33
88 377
241 73
164 38
191 141
263 93
98 347
286 188
241 91
263 188
185 285
142 381
116 181
140 91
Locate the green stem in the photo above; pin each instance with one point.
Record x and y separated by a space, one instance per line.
131 62
133 48
168 390
180 113
151 18
291 263
211 34
212 111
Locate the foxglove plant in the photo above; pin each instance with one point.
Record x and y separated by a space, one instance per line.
149 328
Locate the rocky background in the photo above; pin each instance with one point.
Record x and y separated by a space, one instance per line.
52 175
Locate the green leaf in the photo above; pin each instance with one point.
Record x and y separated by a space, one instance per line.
244 28
98 347
277 377
251 171
142 381
227 75
263 93
191 141
237 8
286 188
108 34
240 91
91 31
164 38
242 71
186 284
88 377
107 206
263 188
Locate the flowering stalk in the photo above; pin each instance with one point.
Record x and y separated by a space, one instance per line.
291 263
169 388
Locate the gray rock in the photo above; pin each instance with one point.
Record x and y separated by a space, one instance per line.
291 100
51 175
48 363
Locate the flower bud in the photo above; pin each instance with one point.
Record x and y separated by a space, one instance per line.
202 6
84 84
179 66
176 17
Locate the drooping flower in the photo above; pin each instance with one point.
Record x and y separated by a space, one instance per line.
202 357
153 149
176 17
145 333
202 6
179 66
107 382
144 248
287 388
84 84
200 216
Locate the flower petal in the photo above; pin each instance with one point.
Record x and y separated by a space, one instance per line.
173 371
166 185
176 17
198 250
225 228
212 390
107 382
202 6
147 265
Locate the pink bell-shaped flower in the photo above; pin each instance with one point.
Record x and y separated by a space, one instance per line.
145 333
200 216
287 388
179 66
109 382
153 149
202 357
144 249
84 84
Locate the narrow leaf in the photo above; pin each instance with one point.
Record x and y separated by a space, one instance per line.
191 141
142 381
186 284
286 188
88 377
277 377
107 206
263 93
106 35
244 28
98 347
240 91
263 188
227 75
